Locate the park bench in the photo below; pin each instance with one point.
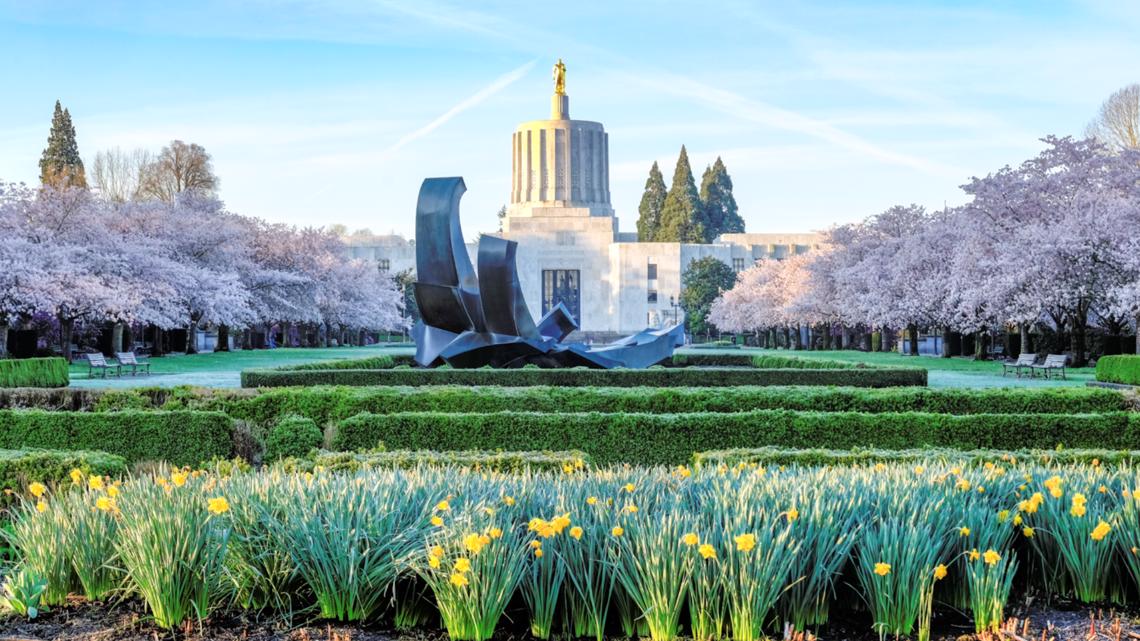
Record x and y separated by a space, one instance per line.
128 359
1024 361
1052 362
98 362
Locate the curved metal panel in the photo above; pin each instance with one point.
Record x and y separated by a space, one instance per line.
504 308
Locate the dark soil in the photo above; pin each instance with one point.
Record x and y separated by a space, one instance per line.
128 621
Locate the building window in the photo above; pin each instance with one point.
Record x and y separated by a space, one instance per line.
562 286
385 264
651 271
652 298
738 264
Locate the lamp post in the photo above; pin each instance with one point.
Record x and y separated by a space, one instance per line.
673 304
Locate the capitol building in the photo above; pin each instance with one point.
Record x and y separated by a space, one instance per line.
569 246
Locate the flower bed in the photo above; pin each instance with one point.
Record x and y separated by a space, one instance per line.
716 553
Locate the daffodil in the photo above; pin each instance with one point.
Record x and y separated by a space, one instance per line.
462 564
882 569
458 580
707 551
1100 531
617 531
991 557
95 482
41 506
940 573
442 506
792 514
745 542
37 489
963 531
218 505
690 539
576 532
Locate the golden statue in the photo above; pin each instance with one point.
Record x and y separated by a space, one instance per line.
559 78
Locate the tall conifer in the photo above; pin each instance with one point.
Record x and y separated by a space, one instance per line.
681 216
720 214
652 201
60 164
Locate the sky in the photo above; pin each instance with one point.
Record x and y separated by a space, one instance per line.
333 111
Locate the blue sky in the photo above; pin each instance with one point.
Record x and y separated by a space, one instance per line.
331 111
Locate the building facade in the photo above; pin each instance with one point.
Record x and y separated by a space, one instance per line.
570 249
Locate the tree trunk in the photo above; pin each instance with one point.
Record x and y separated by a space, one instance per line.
1138 333
117 338
827 336
66 331
3 340
1078 345
223 344
1023 331
192 336
946 340
323 335
913 329
797 339
979 346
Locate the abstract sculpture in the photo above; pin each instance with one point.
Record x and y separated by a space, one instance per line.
470 319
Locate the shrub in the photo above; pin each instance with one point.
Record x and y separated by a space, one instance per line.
477 459
769 456
180 438
779 361
380 361
655 439
329 404
1123 369
582 377
34 372
712 360
292 436
19 468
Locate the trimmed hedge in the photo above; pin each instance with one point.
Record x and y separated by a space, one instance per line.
380 361
654 439
712 360
292 436
767 456
479 459
180 438
775 361
582 377
34 372
19 468
328 404
1123 369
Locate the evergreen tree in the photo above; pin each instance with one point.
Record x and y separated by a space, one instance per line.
649 211
60 165
502 214
718 204
681 215
703 281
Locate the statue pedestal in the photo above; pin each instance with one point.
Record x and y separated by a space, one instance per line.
560 107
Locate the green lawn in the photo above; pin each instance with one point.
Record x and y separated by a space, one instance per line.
948 372
223 369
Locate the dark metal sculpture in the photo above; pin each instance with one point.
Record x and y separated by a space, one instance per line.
472 320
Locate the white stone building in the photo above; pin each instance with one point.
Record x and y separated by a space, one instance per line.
570 249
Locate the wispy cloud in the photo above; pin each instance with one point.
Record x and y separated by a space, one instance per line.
500 83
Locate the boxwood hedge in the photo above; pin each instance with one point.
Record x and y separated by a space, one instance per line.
580 377
862 456
21 467
481 459
181 438
328 404
652 439
1123 369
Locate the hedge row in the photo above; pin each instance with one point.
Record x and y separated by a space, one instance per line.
768 456
713 359
1123 369
480 459
780 361
652 439
582 377
329 404
180 438
380 361
34 372
19 468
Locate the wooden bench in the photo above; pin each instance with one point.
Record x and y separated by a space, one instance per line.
1052 362
128 359
98 362
1024 361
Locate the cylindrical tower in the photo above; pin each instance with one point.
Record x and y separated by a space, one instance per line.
560 164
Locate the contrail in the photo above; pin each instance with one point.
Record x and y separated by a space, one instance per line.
495 87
